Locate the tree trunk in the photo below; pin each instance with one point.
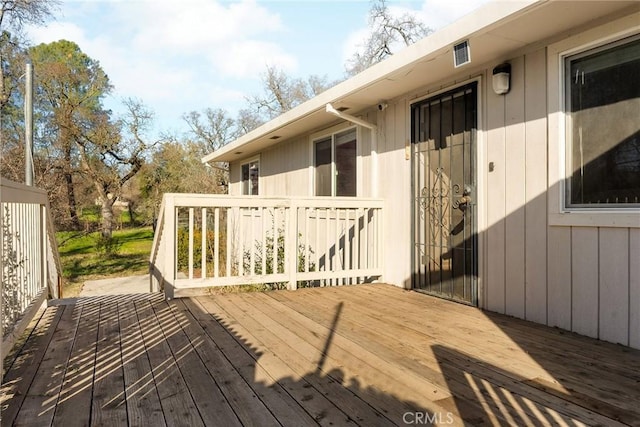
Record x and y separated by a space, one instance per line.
71 197
107 217
132 219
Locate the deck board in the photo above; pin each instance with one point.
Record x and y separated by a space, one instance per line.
74 403
349 355
143 402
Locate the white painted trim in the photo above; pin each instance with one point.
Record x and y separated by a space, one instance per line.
558 214
331 132
374 149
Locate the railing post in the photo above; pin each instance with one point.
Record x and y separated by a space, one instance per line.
169 275
291 245
2 350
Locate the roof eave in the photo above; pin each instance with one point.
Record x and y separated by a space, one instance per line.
480 21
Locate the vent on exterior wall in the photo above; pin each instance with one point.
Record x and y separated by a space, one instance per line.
461 54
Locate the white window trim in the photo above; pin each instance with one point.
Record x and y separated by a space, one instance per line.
246 162
559 214
312 161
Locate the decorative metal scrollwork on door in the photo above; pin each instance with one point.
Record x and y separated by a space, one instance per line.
435 202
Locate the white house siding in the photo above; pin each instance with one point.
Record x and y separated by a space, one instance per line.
580 277
284 169
516 201
395 188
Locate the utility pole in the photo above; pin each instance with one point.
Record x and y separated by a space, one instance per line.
28 124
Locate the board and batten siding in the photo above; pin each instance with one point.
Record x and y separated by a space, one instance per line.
284 170
395 188
584 279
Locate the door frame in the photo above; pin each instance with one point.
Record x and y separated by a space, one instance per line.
481 175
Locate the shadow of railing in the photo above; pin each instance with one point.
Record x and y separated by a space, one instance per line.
134 359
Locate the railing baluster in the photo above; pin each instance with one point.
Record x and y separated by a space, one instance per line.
347 242
230 238
305 240
216 242
327 257
252 240
366 238
240 252
356 233
275 241
316 215
203 229
263 244
191 236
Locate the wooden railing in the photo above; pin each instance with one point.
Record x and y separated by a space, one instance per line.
211 240
31 270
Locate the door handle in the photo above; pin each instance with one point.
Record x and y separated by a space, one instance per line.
464 200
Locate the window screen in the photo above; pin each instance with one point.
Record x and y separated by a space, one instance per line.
603 126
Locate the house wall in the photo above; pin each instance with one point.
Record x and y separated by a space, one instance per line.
577 272
285 168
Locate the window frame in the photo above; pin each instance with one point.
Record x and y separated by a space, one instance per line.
559 212
242 180
332 133
570 137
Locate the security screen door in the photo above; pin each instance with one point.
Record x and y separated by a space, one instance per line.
444 188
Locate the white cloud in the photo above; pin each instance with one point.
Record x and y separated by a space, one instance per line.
56 31
173 55
249 58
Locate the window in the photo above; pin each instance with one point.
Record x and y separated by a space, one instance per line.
335 164
602 113
250 175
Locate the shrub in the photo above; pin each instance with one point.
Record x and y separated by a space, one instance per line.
183 250
107 245
269 259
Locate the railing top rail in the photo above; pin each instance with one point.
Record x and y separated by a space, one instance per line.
53 245
158 231
15 192
218 200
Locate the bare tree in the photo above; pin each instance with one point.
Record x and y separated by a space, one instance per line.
111 154
281 92
213 128
16 13
247 120
387 33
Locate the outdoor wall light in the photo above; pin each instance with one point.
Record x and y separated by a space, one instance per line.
502 78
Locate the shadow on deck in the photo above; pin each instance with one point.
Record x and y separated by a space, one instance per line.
359 355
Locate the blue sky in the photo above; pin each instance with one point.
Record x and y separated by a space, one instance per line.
179 56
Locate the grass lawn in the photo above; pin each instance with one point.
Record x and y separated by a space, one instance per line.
81 260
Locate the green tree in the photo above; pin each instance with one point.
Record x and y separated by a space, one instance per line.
69 87
176 167
14 14
85 142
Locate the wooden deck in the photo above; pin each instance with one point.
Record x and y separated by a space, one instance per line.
370 355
